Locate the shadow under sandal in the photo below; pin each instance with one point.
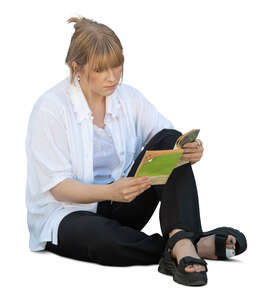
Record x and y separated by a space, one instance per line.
168 265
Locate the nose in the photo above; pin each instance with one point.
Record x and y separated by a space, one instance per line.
111 75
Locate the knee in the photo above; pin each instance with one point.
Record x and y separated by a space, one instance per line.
170 131
165 139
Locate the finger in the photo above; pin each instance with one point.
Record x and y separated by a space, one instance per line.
140 184
196 144
135 189
201 143
137 185
132 196
193 156
139 180
142 179
190 150
193 150
191 145
186 145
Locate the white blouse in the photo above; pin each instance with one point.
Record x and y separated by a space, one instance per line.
60 144
105 158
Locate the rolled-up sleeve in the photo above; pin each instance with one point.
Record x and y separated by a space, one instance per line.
149 120
48 154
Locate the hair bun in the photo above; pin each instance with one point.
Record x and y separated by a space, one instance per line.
79 20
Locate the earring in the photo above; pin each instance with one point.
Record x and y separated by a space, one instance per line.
78 78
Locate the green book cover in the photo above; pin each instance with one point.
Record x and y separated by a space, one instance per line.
159 164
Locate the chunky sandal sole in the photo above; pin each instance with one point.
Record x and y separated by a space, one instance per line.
195 280
169 266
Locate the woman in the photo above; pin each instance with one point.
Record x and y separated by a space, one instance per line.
86 137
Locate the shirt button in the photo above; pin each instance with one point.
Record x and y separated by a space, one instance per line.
122 153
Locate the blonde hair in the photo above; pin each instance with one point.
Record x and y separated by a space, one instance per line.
94 44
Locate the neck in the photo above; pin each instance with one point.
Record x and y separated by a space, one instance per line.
93 99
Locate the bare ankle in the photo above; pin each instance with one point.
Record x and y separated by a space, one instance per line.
179 243
172 232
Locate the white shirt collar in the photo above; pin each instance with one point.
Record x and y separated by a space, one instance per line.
80 104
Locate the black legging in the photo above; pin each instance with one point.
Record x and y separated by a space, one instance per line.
112 236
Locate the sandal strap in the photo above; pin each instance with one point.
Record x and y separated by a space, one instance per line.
189 260
197 237
220 245
179 236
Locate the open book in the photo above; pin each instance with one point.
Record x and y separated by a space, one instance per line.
159 164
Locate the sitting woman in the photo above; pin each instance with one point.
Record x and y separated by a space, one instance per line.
86 137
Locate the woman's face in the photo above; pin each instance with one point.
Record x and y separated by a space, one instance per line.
99 81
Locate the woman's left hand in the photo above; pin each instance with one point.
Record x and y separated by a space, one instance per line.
192 151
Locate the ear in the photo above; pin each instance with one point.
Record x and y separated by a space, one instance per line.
74 66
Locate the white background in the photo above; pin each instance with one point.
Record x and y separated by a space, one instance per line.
203 64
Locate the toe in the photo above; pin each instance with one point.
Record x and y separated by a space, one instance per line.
189 268
230 242
196 268
199 268
229 246
202 268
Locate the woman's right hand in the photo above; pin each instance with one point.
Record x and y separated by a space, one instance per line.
126 189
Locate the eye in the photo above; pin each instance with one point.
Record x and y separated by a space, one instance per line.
96 70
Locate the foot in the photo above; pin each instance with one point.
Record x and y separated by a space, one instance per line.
185 247
206 246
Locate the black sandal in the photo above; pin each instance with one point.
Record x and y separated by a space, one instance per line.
221 234
168 265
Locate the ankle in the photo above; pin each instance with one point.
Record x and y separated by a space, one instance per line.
178 244
172 232
180 247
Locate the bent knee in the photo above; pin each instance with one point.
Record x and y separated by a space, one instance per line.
170 131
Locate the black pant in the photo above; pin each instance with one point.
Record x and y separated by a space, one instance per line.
113 235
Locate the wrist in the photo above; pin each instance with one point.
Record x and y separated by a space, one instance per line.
109 192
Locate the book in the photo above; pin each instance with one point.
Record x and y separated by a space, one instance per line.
159 164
